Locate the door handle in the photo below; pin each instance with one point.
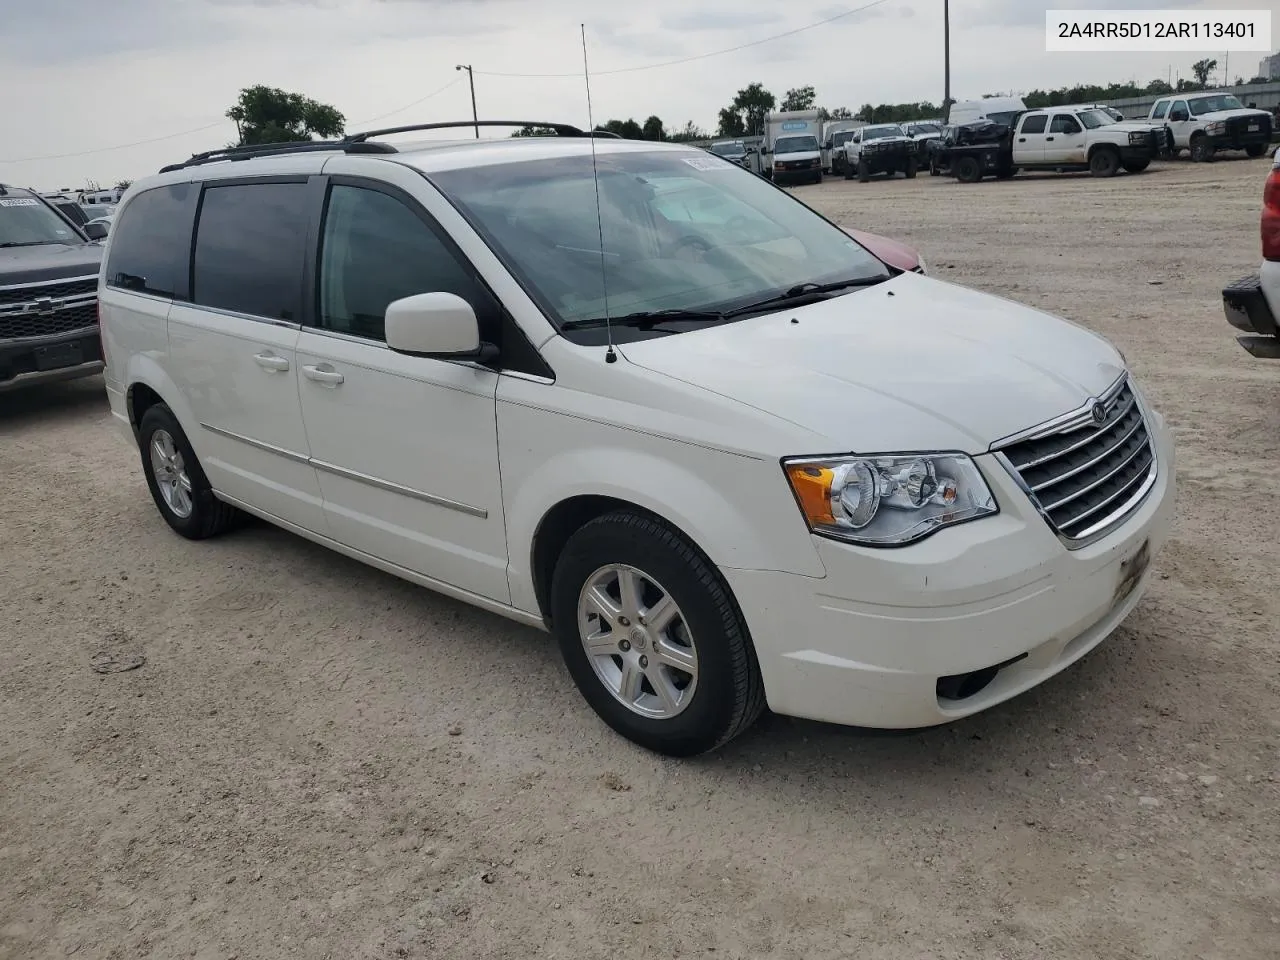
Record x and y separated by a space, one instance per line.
1048 138
269 361
1022 139
323 374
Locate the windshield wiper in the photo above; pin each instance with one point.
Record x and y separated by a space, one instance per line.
645 319
28 243
805 293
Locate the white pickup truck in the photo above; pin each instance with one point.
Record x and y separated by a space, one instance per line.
1061 139
1208 123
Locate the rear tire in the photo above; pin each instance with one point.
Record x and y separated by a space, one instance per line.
968 170
1104 162
177 482
706 689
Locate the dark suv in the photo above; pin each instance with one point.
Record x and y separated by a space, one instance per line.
48 292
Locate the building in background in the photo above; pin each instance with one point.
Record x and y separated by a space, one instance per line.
1270 67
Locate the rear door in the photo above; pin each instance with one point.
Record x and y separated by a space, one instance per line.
232 348
1029 143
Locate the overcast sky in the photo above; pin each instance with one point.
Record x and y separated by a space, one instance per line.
84 75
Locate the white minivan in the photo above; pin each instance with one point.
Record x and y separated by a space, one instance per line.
631 394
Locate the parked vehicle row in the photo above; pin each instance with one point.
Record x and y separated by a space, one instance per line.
48 292
647 453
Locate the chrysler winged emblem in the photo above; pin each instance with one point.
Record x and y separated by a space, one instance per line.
1099 413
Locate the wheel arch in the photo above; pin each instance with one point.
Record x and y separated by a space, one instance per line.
1097 148
560 496
148 385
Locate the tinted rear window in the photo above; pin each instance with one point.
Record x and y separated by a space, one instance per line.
249 249
151 243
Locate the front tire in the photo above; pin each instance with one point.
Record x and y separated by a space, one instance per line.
864 171
1136 166
652 636
1201 149
1104 162
912 168
177 482
1255 150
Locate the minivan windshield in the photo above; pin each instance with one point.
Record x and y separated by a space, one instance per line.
734 149
682 232
28 222
1223 101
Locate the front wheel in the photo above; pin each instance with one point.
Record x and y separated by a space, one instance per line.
864 171
1256 150
177 482
912 168
652 637
1104 162
1201 149
1136 166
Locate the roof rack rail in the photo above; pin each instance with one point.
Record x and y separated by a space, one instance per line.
560 129
249 151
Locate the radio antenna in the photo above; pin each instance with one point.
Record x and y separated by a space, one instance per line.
610 355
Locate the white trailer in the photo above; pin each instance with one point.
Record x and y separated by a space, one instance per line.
792 142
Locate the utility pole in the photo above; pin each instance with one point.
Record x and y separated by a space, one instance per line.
946 60
475 117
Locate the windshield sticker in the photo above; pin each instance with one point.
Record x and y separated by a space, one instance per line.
20 202
708 163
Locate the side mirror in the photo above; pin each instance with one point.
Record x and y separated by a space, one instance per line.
95 231
827 145
438 325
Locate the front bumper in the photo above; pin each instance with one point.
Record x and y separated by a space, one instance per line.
806 175
1248 310
63 356
871 644
1232 140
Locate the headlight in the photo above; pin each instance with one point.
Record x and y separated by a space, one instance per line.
1136 137
888 501
1216 128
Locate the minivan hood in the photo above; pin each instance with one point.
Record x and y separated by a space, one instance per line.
799 155
48 261
911 364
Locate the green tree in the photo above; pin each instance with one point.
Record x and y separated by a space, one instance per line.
123 184
690 131
799 98
626 129
745 115
839 113
270 115
1202 69
1158 88
653 129
534 132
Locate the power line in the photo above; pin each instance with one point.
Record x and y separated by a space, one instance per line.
123 146
210 126
700 56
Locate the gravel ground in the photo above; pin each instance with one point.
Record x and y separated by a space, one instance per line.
318 760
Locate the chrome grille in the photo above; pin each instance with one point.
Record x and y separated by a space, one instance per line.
45 309
1086 475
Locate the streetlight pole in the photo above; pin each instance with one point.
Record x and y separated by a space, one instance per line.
472 78
946 60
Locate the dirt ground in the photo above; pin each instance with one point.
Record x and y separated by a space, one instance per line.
318 760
